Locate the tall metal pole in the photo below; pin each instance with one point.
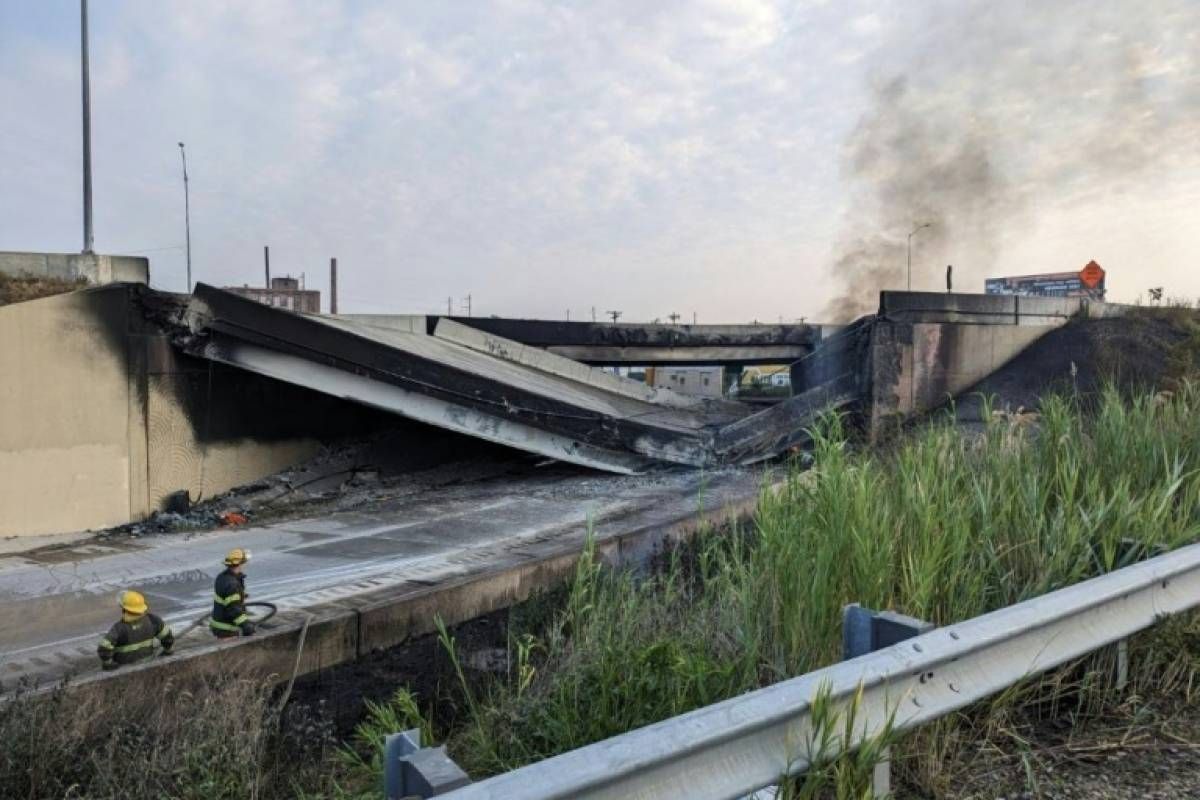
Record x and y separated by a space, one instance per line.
187 216
87 128
910 235
909 268
266 266
333 286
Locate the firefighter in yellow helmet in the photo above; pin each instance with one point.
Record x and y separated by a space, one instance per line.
229 617
132 639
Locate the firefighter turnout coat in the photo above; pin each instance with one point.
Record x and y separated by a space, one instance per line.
229 617
132 639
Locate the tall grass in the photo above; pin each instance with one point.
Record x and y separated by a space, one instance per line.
944 525
216 737
947 526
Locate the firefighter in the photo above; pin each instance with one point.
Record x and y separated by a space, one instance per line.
229 617
132 639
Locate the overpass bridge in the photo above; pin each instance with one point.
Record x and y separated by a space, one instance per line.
651 344
357 582
634 343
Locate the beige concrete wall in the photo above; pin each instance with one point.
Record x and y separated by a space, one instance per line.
98 269
65 451
948 359
100 420
178 459
917 367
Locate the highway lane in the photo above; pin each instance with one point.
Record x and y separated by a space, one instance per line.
55 604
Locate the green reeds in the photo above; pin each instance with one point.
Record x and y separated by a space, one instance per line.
944 525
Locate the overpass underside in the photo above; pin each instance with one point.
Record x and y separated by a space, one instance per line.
652 344
444 373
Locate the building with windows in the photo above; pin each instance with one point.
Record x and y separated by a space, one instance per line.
698 381
286 292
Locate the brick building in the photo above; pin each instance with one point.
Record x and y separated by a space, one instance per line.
284 292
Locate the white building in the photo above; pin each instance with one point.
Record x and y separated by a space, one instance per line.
697 381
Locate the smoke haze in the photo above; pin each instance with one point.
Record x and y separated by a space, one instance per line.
998 112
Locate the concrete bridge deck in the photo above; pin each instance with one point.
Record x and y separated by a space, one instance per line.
362 574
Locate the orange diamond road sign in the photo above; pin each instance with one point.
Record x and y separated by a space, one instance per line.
1091 275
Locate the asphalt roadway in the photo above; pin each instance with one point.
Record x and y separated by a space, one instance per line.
56 602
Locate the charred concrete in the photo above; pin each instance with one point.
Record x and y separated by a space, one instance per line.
442 382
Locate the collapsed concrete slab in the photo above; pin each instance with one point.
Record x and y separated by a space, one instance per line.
481 385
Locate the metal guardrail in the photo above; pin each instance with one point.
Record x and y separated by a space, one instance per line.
410 770
735 747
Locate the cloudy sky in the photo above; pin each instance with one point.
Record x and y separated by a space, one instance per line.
740 159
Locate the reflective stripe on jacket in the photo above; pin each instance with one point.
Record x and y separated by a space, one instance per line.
229 604
132 639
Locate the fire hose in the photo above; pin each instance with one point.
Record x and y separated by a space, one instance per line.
271 610
270 607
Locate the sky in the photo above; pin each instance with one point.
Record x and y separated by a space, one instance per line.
735 160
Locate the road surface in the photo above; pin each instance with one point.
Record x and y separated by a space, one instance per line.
55 603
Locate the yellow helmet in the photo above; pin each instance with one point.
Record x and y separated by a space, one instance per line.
132 602
237 556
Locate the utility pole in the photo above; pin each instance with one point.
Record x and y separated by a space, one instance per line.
693 317
266 266
449 306
568 315
673 317
187 217
333 286
593 313
910 235
616 315
85 79
467 305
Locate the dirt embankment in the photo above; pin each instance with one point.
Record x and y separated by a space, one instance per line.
20 288
1146 349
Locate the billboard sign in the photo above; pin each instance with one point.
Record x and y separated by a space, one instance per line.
1087 282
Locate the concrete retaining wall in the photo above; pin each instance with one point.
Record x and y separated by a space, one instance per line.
101 420
927 347
97 269
918 367
72 446
988 309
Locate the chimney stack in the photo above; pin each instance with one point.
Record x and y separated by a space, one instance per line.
333 286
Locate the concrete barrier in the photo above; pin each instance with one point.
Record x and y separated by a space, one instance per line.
96 268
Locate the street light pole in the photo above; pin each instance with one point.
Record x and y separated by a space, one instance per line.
187 216
87 127
910 235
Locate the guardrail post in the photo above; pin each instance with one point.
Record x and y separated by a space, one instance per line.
865 631
1127 551
410 771
1122 664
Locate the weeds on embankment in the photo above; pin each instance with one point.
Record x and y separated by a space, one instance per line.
942 524
215 738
